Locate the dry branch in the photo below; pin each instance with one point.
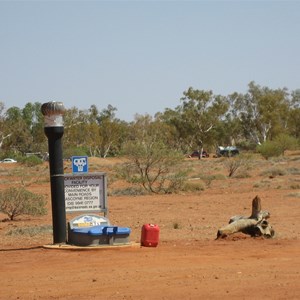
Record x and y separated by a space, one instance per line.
255 225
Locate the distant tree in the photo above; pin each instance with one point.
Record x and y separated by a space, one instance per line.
262 112
93 115
294 122
112 135
198 116
5 133
294 115
147 127
295 101
34 119
98 131
76 128
174 135
20 139
228 132
112 132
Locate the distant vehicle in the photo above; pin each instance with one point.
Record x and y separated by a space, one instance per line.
227 151
196 153
8 161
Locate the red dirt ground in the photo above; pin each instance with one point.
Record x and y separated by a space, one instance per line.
188 262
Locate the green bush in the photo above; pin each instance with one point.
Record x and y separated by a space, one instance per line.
286 142
18 201
277 147
269 149
31 161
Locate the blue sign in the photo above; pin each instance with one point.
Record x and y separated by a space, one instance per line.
80 164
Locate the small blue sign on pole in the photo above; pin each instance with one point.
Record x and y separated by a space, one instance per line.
80 164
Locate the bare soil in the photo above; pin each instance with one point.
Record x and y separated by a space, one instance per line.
188 263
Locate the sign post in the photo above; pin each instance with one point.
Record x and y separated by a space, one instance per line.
86 193
80 164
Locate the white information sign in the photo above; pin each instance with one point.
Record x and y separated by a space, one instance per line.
85 192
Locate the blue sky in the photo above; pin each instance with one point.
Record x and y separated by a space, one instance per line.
140 56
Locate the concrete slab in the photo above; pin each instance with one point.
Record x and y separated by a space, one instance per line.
100 247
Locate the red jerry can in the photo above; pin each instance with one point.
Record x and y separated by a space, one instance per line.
150 235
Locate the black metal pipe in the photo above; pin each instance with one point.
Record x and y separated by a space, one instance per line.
54 132
54 135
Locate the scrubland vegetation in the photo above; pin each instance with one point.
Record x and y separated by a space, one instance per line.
149 154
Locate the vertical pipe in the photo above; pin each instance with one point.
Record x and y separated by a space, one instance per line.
54 131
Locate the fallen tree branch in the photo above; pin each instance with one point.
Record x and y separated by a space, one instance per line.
255 225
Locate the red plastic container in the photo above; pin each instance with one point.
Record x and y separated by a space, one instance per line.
150 235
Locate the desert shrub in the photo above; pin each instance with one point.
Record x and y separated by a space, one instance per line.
242 175
154 166
31 161
31 231
286 142
269 149
129 191
297 158
262 184
209 178
19 201
295 186
193 186
175 182
294 171
237 163
296 195
273 172
176 225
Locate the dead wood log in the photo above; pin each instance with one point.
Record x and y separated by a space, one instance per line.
255 225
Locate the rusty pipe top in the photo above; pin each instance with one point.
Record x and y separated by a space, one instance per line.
53 112
53 108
